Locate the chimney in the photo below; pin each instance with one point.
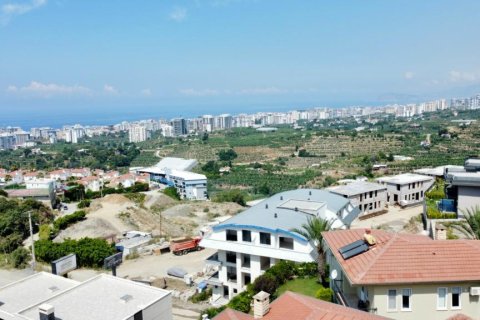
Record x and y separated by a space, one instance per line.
440 232
261 304
47 312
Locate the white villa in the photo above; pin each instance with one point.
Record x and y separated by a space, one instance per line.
406 189
252 241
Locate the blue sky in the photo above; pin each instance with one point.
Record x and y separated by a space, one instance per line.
58 54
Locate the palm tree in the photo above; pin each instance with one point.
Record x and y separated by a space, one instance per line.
471 226
312 231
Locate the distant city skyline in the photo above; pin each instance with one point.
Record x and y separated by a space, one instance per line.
75 57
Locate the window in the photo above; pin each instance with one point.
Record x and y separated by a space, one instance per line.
392 299
264 263
441 298
398 187
406 299
231 257
245 261
371 194
265 238
246 235
286 243
231 235
456 293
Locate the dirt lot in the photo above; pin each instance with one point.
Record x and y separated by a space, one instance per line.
114 214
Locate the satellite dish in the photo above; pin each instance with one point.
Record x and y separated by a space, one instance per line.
333 274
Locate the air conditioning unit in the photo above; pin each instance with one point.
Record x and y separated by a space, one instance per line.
475 291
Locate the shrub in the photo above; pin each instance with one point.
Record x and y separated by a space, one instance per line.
325 294
202 296
234 195
85 203
211 312
90 252
20 257
241 302
172 193
45 232
65 221
267 283
282 271
3 193
306 270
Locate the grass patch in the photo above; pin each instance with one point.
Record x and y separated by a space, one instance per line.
306 286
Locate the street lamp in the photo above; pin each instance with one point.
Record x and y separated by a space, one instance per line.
34 262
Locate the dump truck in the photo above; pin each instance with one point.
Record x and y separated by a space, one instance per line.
181 246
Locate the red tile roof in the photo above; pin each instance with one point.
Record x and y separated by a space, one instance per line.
229 314
405 258
459 316
294 306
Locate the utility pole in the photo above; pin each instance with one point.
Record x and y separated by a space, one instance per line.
31 238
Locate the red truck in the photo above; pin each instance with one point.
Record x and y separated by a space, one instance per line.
181 246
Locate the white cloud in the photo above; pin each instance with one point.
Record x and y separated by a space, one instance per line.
178 14
10 10
199 93
457 76
146 92
109 89
47 90
227 92
409 75
262 91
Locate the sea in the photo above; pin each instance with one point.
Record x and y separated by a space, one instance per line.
56 117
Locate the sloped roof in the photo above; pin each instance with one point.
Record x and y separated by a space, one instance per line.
294 306
405 258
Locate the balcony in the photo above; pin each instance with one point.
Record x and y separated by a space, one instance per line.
214 280
213 260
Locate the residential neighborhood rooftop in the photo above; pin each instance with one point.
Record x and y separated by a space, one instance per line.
405 258
294 306
405 178
357 187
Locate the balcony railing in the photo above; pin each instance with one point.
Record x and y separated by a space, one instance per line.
213 260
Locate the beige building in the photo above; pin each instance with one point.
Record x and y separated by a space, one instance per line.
368 197
406 189
403 276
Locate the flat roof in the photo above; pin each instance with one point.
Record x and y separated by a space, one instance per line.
34 289
471 179
278 213
177 164
103 297
28 193
357 187
187 175
405 178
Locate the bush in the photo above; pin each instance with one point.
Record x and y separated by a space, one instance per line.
227 155
20 257
3 193
202 296
172 193
45 232
325 294
211 312
65 221
234 195
282 271
90 252
267 283
241 302
85 203
306 270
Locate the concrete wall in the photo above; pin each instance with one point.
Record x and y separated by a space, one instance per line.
159 310
368 204
468 198
408 192
424 302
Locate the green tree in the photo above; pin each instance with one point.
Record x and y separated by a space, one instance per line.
325 294
312 231
471 226
227 155
172 193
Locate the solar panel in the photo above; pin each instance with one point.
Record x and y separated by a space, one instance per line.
353 249
351 246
